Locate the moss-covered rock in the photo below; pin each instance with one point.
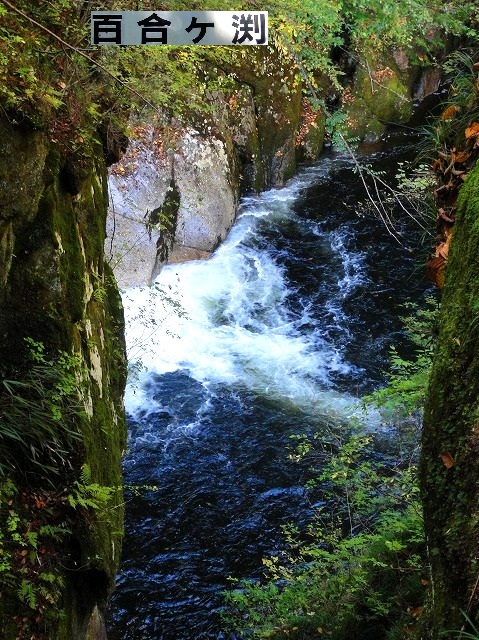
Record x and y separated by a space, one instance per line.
277 99
450 447
260 129
381 94
58 291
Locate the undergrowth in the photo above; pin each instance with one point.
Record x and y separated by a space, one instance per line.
39 415
37 551
359 569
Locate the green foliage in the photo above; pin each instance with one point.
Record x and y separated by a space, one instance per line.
405 392
314 29
39 415
411 197
28 550
35 526
358 570
30 58
88 495
414 179
48 82
459 110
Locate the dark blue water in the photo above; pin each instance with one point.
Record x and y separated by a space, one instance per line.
286 328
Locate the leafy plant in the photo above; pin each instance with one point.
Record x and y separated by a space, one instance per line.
88 495
446 130
39 415
31 534
406 389
358 568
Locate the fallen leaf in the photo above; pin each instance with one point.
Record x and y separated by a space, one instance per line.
415 613
447 459
450 112
442 249
462 156
472 131
435 270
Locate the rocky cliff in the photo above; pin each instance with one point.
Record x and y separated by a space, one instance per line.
58 295
449 458
174 194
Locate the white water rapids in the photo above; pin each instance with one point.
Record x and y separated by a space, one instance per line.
229 320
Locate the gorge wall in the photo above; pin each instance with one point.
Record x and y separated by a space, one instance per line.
449 458
57 292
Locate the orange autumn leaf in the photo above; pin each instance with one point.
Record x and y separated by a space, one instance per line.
447 459
442 249
449 113
435 270
461 156
472 131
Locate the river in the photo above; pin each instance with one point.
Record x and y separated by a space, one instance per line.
281 332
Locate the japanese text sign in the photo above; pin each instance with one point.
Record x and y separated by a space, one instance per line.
179 27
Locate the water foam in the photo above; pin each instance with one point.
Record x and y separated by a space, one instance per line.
225 321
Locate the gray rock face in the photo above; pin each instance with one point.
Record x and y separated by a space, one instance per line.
136 188
145 229
208 197
174 194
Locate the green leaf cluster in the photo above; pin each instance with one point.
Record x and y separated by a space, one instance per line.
405 392
39 415
359 569
86 494
28 547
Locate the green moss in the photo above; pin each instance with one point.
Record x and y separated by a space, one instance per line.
381 94
56 264
451 425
